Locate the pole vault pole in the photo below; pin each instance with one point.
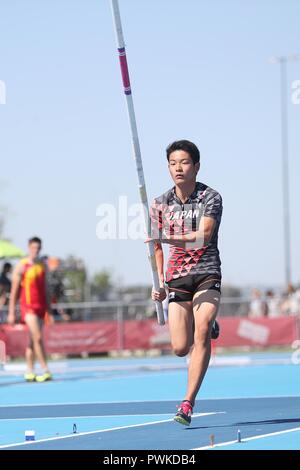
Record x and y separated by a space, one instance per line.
136 148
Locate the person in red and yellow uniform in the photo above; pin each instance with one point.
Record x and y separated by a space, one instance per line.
29 284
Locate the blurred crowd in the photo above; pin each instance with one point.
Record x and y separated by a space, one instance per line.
273 305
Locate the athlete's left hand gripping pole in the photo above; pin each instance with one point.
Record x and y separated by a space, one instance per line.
136 149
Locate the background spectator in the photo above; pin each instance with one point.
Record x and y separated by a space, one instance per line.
273 304
257 305
5 287
291 303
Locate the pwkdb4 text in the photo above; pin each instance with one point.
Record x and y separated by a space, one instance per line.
172 459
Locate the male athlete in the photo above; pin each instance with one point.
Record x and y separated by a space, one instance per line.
187 217
29 283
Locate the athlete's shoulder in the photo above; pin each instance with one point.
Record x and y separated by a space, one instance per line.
20 267
212 203
209 193
41 262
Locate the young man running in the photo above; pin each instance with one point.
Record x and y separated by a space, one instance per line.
29 284
187 217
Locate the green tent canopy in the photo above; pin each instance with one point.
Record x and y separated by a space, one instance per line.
9 250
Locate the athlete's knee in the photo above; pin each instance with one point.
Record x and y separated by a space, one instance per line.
181 351
37 338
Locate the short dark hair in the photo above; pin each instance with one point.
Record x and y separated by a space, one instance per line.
187 146
34 240
6 267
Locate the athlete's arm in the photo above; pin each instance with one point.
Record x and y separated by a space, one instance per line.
159 257
15 287
213 208
202 236
156 227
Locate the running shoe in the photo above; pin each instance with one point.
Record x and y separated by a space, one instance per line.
44 377
184 413
30 376
215 331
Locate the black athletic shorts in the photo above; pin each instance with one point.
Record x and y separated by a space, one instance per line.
185 287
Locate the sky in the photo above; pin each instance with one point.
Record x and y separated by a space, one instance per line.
199 70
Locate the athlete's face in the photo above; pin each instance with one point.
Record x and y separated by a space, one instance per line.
34 249
182 168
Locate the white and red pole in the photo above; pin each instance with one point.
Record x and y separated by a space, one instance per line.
136 149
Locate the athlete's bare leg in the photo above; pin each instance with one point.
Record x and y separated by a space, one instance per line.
205 309
29 355
180 319
190 326
33 323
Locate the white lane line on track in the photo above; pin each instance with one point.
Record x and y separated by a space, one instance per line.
101 431
145 401
252 438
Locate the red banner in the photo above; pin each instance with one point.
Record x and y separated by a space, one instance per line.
67 338
146 334
15 338
75 338
97 337
240 331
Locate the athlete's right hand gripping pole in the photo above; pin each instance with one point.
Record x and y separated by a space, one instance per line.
136 150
